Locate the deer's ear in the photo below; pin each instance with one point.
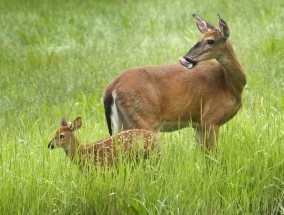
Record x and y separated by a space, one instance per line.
76 124
225 31
64 121
202 25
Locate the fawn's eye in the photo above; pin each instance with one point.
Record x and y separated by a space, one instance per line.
61 137
210 42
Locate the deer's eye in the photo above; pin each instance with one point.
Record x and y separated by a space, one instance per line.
61 137
210 42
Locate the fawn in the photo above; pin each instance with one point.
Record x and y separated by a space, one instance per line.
103 151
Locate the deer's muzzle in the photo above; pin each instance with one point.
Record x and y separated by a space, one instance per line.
50 145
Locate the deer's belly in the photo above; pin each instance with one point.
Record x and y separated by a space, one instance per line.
168 126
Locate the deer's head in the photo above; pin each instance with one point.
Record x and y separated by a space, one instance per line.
64 136
210 45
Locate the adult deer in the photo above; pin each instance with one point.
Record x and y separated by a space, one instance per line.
104 150
169 97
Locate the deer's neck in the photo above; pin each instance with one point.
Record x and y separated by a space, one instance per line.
74 149
234 73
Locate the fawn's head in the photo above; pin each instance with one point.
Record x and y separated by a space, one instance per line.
64 135
211 45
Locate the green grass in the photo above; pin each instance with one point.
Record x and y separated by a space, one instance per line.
56 59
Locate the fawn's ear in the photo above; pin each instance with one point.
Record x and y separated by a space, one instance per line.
225 31
203 25
76 124
64 122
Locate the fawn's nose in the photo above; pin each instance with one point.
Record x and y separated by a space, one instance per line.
50 145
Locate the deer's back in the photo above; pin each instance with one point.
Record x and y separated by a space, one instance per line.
183 90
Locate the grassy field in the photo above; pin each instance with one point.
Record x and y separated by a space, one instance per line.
56 59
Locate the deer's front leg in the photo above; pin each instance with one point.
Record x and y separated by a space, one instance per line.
207 135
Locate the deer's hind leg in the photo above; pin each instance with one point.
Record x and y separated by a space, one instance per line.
134 112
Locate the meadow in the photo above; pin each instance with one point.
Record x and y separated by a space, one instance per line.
56 58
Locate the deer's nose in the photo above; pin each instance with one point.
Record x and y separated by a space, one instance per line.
50 145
